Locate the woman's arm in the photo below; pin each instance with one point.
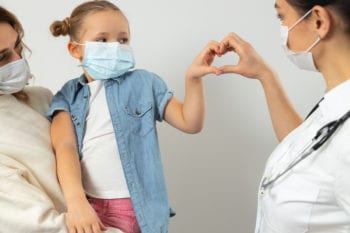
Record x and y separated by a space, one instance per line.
80 216
188 116
283 115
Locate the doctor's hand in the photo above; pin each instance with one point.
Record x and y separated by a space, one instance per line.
250 64
202 64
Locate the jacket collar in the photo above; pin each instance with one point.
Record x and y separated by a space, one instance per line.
336 102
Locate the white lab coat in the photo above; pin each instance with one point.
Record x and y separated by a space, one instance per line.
314 196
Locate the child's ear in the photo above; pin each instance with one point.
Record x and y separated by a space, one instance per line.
75 50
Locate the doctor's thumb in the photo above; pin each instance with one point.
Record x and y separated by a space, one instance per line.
233 69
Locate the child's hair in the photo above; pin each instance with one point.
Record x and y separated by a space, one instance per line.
71 25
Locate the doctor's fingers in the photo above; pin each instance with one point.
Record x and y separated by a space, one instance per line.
232 42
250 66
232 69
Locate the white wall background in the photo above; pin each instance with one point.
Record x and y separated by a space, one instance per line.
212 177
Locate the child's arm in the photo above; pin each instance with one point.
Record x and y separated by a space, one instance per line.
283 115
189 115
80 215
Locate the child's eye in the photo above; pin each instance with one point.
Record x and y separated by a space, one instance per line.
123 40
102 40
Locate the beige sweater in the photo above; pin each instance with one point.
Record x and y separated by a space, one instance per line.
30 197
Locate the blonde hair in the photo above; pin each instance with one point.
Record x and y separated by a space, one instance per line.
72 25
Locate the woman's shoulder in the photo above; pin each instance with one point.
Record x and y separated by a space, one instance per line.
339 143
39 98
38 91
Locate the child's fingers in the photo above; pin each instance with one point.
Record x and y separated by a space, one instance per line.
211 70
80 230
96 228
212 48
72 229
102 226
89 230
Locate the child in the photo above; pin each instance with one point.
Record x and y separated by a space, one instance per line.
108 164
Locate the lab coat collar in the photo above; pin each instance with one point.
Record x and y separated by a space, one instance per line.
336 102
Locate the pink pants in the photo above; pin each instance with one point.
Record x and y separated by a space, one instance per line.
118 213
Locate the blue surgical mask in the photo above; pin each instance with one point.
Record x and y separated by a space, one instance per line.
14 76
302 60
107 60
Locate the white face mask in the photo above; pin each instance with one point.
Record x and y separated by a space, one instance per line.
107 60
303 60
14 76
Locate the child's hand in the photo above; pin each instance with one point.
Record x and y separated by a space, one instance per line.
202 63
82 218
250 63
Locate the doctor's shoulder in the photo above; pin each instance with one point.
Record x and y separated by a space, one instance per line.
341 141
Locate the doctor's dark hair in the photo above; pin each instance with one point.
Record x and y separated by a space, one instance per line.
72 25
341 7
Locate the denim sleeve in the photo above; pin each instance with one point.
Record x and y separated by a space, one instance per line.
161 95
58 103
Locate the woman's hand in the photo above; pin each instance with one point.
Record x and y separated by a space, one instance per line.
82 218
283 115
202 64
250 63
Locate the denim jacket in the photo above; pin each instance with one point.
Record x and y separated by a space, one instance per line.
135 101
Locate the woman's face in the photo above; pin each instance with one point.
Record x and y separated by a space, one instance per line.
10 44
301 36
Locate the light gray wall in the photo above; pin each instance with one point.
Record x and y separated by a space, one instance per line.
212 177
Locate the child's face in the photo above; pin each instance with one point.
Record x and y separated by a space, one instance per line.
105 26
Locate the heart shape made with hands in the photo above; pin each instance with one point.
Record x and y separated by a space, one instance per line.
228 58
236 56
224 61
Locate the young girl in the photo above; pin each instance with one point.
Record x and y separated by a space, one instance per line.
103 125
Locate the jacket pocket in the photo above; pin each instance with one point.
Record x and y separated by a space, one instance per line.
288 205
140 118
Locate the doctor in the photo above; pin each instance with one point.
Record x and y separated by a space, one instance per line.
306 182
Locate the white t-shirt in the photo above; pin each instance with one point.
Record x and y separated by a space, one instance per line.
102 172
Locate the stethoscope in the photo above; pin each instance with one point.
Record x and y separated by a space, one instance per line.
322 135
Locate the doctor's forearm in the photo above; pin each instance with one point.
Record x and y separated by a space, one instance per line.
283 115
